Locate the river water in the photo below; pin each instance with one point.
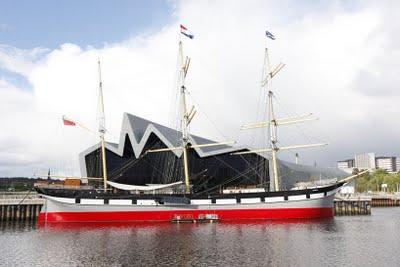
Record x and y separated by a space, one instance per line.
342 241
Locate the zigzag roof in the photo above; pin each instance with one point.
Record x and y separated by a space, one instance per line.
139 130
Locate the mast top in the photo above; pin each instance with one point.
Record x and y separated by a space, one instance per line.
102 126
102 129
272 123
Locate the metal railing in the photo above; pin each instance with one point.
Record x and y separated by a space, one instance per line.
18 195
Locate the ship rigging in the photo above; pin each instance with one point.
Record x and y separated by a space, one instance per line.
153 202
272 123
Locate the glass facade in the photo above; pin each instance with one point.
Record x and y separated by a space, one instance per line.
207 174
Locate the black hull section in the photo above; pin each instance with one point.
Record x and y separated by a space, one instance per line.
177 198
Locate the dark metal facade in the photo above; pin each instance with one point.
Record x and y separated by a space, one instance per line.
211 168
209 174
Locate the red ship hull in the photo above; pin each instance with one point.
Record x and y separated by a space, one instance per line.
234 214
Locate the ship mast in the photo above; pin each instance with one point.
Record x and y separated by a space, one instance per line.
187 116
272 123
102 129
185 119
273 139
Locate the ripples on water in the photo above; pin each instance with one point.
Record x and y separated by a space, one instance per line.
343 241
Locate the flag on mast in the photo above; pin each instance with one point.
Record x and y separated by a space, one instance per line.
270 35
186 32
68 122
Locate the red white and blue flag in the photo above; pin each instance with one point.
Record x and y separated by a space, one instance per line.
186 32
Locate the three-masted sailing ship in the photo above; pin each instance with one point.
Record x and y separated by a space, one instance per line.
116 202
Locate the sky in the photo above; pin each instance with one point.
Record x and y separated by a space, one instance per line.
341 64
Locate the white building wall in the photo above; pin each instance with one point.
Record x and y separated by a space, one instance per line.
342 164
386 163
346 165
365 161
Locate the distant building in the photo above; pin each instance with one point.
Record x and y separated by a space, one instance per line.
386 163
365 161
346 165
397 164
370 161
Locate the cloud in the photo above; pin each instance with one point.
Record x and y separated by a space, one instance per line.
382 84
20 61
5 27
335 65
15 106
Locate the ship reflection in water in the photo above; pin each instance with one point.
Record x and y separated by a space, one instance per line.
342 241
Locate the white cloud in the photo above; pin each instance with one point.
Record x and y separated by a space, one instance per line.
5 27
20 61
328 50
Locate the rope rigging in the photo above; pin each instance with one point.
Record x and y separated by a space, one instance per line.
261 175
234 178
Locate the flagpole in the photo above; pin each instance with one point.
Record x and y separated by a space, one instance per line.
180 35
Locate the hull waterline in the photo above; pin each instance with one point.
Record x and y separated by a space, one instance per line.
58 209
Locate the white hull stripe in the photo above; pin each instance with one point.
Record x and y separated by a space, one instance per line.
120 202
54 206
57 204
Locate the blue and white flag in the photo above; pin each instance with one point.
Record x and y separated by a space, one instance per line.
270 35
186 32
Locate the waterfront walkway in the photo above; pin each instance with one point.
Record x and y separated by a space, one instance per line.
20 206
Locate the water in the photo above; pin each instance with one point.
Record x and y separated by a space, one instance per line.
343 241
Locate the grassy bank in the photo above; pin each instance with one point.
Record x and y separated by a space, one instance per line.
374 181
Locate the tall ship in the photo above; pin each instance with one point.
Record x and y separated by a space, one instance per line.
191 178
